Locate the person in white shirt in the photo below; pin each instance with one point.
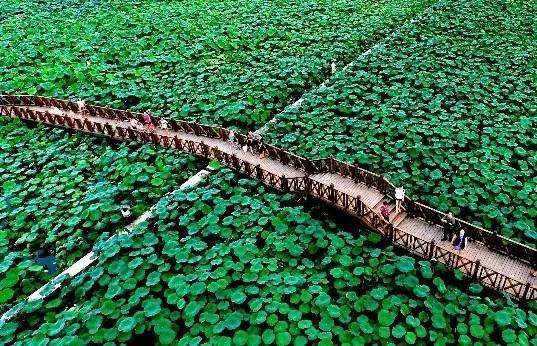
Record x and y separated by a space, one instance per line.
163 124
126 212
81 106
55 110
399 197
136 125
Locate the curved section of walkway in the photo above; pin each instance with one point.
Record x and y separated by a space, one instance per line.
495 261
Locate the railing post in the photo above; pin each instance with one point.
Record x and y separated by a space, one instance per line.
259 172
526 290
359 208
391 233
204 149
476 269
431 249
330 165
331 193
307 185
283 184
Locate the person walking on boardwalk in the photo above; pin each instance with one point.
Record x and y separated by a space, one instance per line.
136 125
448 222
148 123
258 141
250 142
231 137
460 241
81 105
385 210
164 124
55 111
399 197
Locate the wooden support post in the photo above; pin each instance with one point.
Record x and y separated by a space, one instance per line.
391 233
332 194
204 149
431 249
476 269
259 172
283 183
526 290
359 208
307 184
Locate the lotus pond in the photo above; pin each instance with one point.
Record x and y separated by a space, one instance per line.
232 263
62 190
180 59
446 108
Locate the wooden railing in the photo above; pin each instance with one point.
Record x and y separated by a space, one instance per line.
305 185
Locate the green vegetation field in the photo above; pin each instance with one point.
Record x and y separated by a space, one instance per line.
448 108
230 263
230 62
62 191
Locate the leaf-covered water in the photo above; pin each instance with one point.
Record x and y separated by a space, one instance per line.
230 62
232 264
61 191
447 108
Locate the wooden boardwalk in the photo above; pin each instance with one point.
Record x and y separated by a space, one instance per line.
502 265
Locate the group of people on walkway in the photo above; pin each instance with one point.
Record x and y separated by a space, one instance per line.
253 142
147 125
458 239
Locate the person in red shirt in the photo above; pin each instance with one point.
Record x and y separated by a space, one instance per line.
149 126
385 210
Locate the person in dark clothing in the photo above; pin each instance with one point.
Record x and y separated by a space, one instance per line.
448 221
460 241
126 212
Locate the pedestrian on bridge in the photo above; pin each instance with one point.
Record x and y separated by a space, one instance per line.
231 137
258 139
399 197
448 222
460 242
136 125
149 126
55 111
385 210
250 142
164 124
81 105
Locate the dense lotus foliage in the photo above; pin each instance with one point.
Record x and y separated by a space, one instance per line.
61 191
447 107
231 62
231 263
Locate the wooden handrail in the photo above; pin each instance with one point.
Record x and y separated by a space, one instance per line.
352 205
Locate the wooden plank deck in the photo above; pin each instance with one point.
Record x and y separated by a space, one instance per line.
371 197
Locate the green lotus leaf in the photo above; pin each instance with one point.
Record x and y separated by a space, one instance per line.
126 324
386 317
268 336
152 307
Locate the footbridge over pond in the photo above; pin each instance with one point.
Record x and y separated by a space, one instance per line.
497 262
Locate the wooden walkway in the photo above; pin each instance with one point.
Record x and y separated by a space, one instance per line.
497 262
